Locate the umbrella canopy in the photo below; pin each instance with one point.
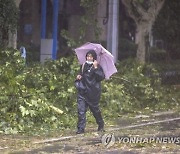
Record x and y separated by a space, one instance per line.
104 57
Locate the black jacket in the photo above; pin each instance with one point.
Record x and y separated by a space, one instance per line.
91 78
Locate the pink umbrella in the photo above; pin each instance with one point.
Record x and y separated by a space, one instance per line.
104 57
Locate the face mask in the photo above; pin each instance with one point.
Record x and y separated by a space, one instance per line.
89 62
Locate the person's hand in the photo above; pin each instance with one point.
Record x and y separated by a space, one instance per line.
78 77
95 63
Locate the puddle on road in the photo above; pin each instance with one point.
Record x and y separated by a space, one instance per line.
52 148
93 141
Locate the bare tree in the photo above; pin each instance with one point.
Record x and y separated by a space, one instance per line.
144 13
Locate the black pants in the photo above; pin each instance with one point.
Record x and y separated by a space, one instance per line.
82 109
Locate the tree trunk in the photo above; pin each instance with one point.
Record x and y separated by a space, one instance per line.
18 2
144 19
142 40
12 39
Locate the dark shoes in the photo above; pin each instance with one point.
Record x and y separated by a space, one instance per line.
101 128
80 131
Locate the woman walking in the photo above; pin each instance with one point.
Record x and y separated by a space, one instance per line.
89 92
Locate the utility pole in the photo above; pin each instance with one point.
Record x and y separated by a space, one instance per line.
113 26
55 27
49 46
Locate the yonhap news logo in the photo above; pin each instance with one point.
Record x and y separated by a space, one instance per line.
164 140
109 140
